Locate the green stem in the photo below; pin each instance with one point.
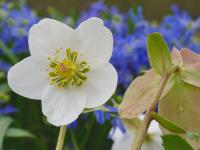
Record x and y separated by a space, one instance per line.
61 138
8 53
74 141
87 133
137 144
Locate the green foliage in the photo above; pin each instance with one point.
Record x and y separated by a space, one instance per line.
159 54
8 53
18 133
175 142
168 124
4 124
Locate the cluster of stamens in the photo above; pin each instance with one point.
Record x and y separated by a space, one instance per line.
67 71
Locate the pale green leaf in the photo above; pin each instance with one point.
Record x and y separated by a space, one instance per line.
4 124
18 133
159 54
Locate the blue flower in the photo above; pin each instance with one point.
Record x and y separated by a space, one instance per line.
73 125
94 11
178 29
8 109
116 21
4 66
100 116
14 26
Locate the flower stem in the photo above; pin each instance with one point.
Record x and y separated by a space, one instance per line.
137 144
61 138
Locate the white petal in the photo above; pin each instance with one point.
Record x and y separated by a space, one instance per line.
97 40
49 35
154 128
27 78
101 83
63 106
124 143
116 133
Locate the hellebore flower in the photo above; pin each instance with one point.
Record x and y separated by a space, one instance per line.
68 69
152 140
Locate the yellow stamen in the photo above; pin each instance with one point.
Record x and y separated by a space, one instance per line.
67 71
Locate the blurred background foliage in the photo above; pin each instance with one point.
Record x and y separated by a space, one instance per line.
153 9
130 23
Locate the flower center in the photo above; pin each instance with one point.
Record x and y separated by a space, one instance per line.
67 71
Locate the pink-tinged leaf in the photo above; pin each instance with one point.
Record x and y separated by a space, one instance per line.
140 94
189 57
182 106
191 74
176 57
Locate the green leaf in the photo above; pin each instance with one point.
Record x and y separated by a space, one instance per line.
4 88
4 124
175 142
158 53
168 124
17 133
8 53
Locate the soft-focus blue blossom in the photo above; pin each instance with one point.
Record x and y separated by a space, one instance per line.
4 66
73 125
179 29
116 21
14 26
95 10
8 109
100 116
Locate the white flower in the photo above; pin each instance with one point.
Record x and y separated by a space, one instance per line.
152 141
68 69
